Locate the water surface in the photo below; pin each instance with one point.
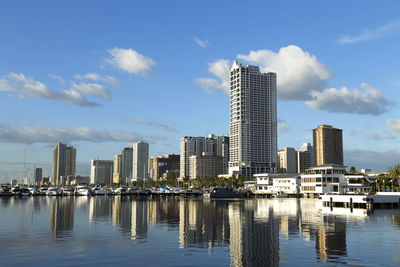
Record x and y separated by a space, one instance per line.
194 232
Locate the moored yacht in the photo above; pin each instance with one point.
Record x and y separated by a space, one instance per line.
82 190
5 191
67 191
34 191
53 191
43 190
98 190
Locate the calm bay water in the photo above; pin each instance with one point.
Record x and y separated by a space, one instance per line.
194 232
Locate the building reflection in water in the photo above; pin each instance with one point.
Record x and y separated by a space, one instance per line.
100 208
131 216
203 223
61 216
253 241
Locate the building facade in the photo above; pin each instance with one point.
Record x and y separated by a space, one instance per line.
329 178
287 159
305 157
253 121
101 171
205 166
160 165
126 164
198 146
64 162
37 175
328 145
117 174
140 160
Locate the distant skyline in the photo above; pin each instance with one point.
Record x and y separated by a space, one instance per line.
100 75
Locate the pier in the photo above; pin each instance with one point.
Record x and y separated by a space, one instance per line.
369 202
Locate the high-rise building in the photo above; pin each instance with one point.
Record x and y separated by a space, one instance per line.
64 162
37 175
101 171
162 164
117 175
328 145
126 164
287 160
253 121
205 166
140 160
211 146
305 157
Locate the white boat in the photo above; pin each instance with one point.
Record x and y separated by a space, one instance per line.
120 191
43 191
34 191
53 191
82 190
98 190
67 191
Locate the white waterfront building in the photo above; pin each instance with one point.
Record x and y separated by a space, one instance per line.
140 161
253 121
277 183
324 179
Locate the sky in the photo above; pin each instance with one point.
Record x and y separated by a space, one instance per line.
100 75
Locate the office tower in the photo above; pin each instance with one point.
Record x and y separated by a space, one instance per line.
140 161
211 146
160 165
64 162
287 160
117 175
253 121
328 145
101 171
205 166
221 148
126 164
37 175
305 157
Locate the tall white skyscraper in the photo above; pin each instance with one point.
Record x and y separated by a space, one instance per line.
140 161
253 121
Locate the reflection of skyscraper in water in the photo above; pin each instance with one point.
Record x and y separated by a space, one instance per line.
100 208
330 241
130 216
62 217
252 242
203 223
122 214
139 219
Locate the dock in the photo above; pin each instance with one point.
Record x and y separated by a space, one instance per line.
369 202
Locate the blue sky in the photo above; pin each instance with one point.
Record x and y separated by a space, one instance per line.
102 74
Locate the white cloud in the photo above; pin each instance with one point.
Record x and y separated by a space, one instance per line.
283 127
130 61
92 89
220 69
27 134
57 78
27 86
98 78
298 72
202 43
155 124
370 101
365 35
393 125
